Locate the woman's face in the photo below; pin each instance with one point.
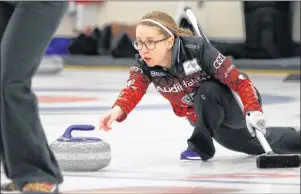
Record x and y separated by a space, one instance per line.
152 45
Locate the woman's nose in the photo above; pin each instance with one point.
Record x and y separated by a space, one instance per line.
144 50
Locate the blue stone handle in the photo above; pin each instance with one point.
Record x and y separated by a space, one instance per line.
67 136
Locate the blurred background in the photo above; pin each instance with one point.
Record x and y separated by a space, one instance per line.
255 34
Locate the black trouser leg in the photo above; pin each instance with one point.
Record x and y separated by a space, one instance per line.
220 117
6 10
26 153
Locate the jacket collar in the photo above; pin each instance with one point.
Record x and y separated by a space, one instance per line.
176 51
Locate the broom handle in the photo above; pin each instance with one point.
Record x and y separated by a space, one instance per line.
199 31
264 143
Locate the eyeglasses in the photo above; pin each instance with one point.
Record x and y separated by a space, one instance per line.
149 44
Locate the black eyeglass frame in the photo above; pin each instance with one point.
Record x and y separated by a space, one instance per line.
143 43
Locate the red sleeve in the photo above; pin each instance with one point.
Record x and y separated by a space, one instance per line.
188 112
130 96
222 69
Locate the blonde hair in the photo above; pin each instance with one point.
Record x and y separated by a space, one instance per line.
167 21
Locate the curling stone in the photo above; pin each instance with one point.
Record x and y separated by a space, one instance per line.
81 153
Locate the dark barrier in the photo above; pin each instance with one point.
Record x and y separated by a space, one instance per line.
268 27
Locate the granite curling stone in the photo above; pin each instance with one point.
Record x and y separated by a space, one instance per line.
81 153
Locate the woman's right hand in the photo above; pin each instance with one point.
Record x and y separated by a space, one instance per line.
110 116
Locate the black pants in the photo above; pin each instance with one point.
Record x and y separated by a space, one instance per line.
26 29
220 117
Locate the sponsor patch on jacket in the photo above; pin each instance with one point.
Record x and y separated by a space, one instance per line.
192 46
191 66
219 61
157 73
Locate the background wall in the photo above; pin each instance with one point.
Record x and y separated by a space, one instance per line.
219 19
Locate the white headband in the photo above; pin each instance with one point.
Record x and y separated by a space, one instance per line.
159 24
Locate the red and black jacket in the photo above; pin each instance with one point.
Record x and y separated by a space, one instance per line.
194 61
